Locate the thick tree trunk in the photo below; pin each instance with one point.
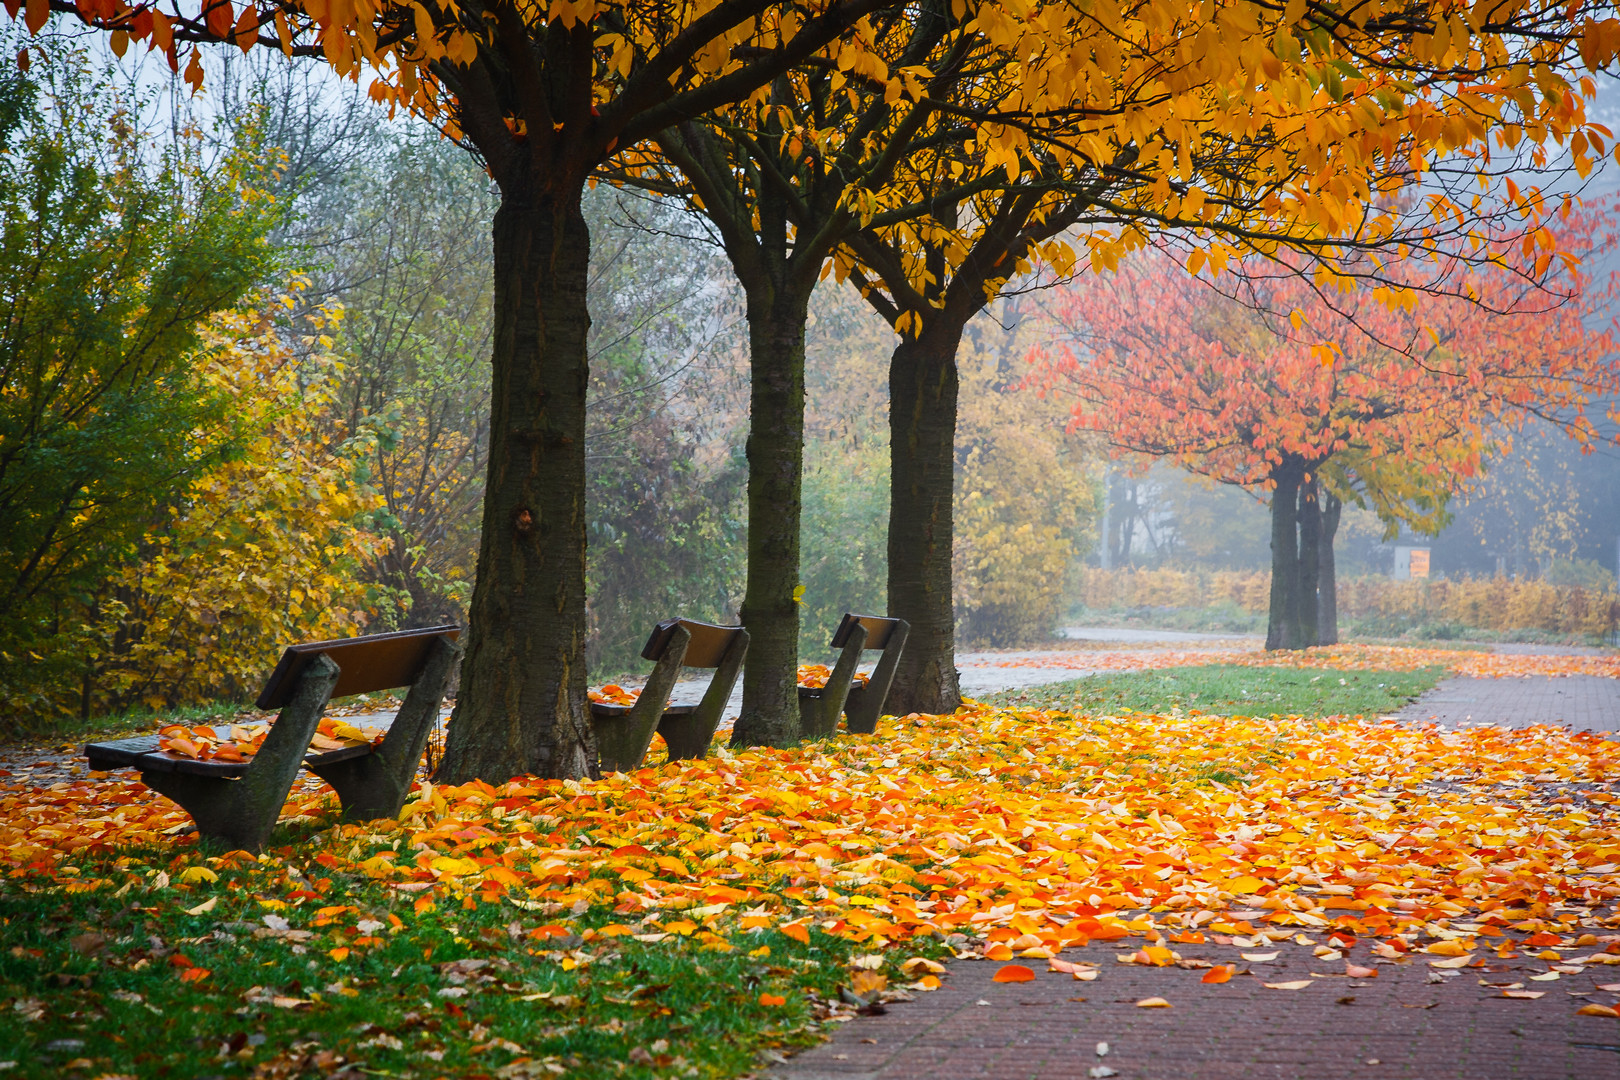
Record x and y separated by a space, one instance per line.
1310 536
521 707
770 610
1284 617
1327 605
922 448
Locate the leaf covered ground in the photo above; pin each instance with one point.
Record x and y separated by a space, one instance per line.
1009 833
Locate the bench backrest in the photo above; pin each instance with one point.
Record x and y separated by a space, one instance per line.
706 649
878 630
368 664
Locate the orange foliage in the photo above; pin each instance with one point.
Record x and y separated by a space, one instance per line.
1023 830
204 743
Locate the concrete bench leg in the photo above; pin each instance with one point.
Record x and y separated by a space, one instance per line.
866 703
622 741
818 717
689 736
240 813
377 785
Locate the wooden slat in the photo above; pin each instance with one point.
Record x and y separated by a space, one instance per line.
608 711
878 629
706 649
369 664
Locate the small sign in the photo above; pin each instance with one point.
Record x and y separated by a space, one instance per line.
1418 567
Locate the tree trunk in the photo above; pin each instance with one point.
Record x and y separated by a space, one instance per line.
922 449
521 706
770 707
1327 605
1284 617
1310 536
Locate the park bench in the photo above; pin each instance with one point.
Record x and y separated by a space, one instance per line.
819 707
624 732
237 803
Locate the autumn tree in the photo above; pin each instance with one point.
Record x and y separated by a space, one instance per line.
1390 398
544 94
1236 130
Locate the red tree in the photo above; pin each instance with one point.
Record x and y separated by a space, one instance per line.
1393 396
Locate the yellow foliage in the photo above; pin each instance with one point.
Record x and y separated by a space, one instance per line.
264 551
1024 512
1496 603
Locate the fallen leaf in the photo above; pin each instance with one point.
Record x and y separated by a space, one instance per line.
1296 984
1596 1010
1356 971
1546 976
1259 957
1153 1003
1218 974
205 907
772 1000
867 983
1453 962
1523 995
922 963
1013 973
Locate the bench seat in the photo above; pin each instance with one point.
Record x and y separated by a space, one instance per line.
142 753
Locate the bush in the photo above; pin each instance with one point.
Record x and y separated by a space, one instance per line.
1439 607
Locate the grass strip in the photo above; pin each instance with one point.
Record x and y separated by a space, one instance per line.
349 978
1232 689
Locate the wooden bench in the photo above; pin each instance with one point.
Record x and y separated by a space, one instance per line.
819 707
624 732
237 803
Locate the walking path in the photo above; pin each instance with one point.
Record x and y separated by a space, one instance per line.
1410 1021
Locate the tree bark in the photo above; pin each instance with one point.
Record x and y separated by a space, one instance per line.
1310 536
922 447
521 707
1284 617
1327 605
776 320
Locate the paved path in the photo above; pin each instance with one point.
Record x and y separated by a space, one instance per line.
1401 1025
1397 1025
1583 701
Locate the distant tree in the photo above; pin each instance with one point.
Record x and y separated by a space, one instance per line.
1393 398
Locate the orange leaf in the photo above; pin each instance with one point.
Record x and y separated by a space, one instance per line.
193 974
1011 973
772 1000
1218 974
1356 971
1584 1010
998 951
797 931
339 953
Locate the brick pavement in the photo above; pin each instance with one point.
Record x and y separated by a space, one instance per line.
1397 1026
1582 701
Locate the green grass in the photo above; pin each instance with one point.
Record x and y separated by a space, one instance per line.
91 985
1232 689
